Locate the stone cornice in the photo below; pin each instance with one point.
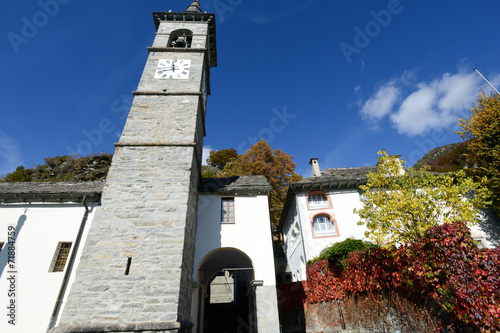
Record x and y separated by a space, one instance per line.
174 50
164 93
155 144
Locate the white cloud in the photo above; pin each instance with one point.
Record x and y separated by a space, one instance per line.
437 104
458 91
416 113
206 153
429 105
10 154
381 104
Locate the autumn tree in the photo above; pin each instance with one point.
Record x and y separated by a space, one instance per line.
482 127
275 165
219 158
400 205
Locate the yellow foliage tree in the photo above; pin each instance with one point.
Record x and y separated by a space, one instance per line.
400 205
482 127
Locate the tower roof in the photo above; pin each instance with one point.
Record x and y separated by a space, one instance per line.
193 8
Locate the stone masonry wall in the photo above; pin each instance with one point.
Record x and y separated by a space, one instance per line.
191 85
267 309
149 206
148 214
144 216
186 286
161 120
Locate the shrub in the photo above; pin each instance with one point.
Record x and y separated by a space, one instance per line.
338 252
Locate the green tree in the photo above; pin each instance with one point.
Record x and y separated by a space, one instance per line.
482 127
275 165
400 205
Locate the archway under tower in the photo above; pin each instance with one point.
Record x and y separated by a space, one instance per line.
225 299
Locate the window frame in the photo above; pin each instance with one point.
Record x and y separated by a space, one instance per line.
61 256
327 201
333 232
227 202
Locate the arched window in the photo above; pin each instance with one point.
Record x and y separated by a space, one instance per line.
181 38
323 226
317 200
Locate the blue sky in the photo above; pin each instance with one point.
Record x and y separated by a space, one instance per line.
337 80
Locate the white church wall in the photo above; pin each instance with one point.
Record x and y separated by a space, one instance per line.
38 230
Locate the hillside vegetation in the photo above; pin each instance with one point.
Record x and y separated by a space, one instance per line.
95 167
446 158
64 169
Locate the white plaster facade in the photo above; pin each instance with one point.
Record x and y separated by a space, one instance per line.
300 241
36 228
243 246
250 233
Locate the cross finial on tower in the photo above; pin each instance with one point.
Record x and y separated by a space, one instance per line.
193 8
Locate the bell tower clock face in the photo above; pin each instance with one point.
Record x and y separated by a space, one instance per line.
176 69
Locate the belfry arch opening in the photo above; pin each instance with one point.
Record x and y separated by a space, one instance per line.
181 38
225 300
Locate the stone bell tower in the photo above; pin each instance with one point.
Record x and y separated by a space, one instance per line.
137 263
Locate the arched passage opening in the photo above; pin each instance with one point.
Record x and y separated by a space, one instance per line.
226 299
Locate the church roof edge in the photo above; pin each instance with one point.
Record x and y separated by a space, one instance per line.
50 191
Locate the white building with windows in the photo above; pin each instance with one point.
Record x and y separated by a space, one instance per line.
318 212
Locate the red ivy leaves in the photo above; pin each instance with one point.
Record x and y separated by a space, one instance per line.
445 266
